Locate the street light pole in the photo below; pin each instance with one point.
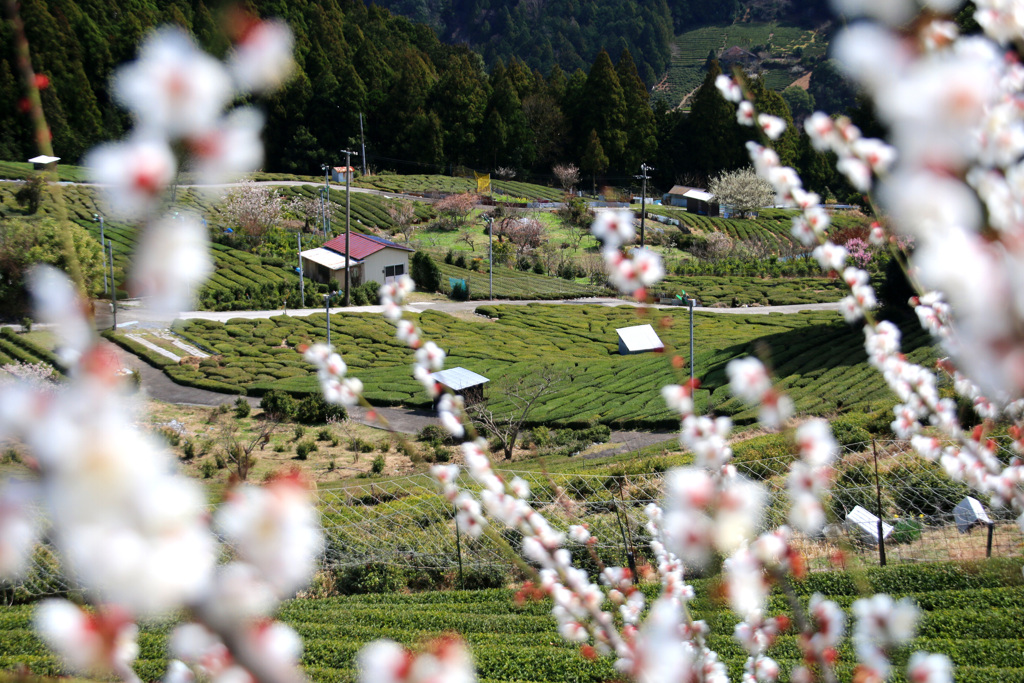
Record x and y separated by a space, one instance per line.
113 285
348 223
692 302
362 141
490 252
103 242
644 168
302 279
327 309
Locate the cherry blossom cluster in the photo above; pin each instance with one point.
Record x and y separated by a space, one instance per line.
446 659
177 95
136 537
429 356
332 371
631 271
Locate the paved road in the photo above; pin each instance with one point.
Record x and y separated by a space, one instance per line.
134 312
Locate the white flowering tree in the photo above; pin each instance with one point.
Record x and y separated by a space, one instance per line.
743 190
139 540
255 209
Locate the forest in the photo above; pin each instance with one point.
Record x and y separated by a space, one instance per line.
426 105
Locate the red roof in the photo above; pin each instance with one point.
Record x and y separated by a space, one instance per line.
362 245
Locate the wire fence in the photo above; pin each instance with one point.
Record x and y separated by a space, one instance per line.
405 522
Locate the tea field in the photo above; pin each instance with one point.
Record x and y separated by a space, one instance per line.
733 291
425 184
577 342
515 284
972 612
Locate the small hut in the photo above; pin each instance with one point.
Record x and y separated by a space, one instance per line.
969 513
638 339
43 162
463 382
865 525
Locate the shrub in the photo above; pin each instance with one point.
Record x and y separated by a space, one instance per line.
242 408
304 448
299 432
378 464
278 404
207 469
481 578
188 450
432 434
324 434
314 409
360 445
370 578
442 454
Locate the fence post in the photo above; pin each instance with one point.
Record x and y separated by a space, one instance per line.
878 496
988 547
627 546
458 545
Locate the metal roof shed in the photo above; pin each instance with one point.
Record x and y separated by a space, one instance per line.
638 339
463 382
866 525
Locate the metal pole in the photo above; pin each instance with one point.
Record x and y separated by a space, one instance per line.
644 168
103 242
302 279
988 547
458 546
348 224
324 198
362 141
327 309
490 253
692 302
113 284
878 497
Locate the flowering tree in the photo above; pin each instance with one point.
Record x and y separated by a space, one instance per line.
568 175
254 208
403 213
743 190
454 209
525 233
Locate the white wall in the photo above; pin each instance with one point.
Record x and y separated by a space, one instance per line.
373 265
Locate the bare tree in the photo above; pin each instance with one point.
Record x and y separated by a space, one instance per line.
518 399
568 175
239 452
403 213
743 190
254 209
505 172
467 237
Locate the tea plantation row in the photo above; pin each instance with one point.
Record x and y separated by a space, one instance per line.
971 612
578 343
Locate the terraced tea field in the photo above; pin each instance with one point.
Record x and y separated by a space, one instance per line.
973 613
686 70
418 184
578 342
515 284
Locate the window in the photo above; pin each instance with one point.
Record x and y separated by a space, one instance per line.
392 273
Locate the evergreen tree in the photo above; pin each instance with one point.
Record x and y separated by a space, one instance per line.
460 100
594 160
713 138
605 110
641 134
769 101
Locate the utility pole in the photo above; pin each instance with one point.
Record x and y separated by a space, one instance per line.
103 242
327 309
348 223
113 285
644 168
302 280
325 196
692 302
362 141
490 252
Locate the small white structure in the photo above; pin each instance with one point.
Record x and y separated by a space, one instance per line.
340 174
463 382
866 524
373 259
969 513
43 162
638 339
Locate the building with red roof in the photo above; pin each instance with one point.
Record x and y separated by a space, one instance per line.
371 258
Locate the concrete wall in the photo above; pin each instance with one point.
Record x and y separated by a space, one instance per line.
373 265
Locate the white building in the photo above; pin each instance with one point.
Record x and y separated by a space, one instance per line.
372 259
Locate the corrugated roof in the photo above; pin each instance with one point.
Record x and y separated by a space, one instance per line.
43 159
458 379
640 338
362 245
680 190
326 257
699 195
